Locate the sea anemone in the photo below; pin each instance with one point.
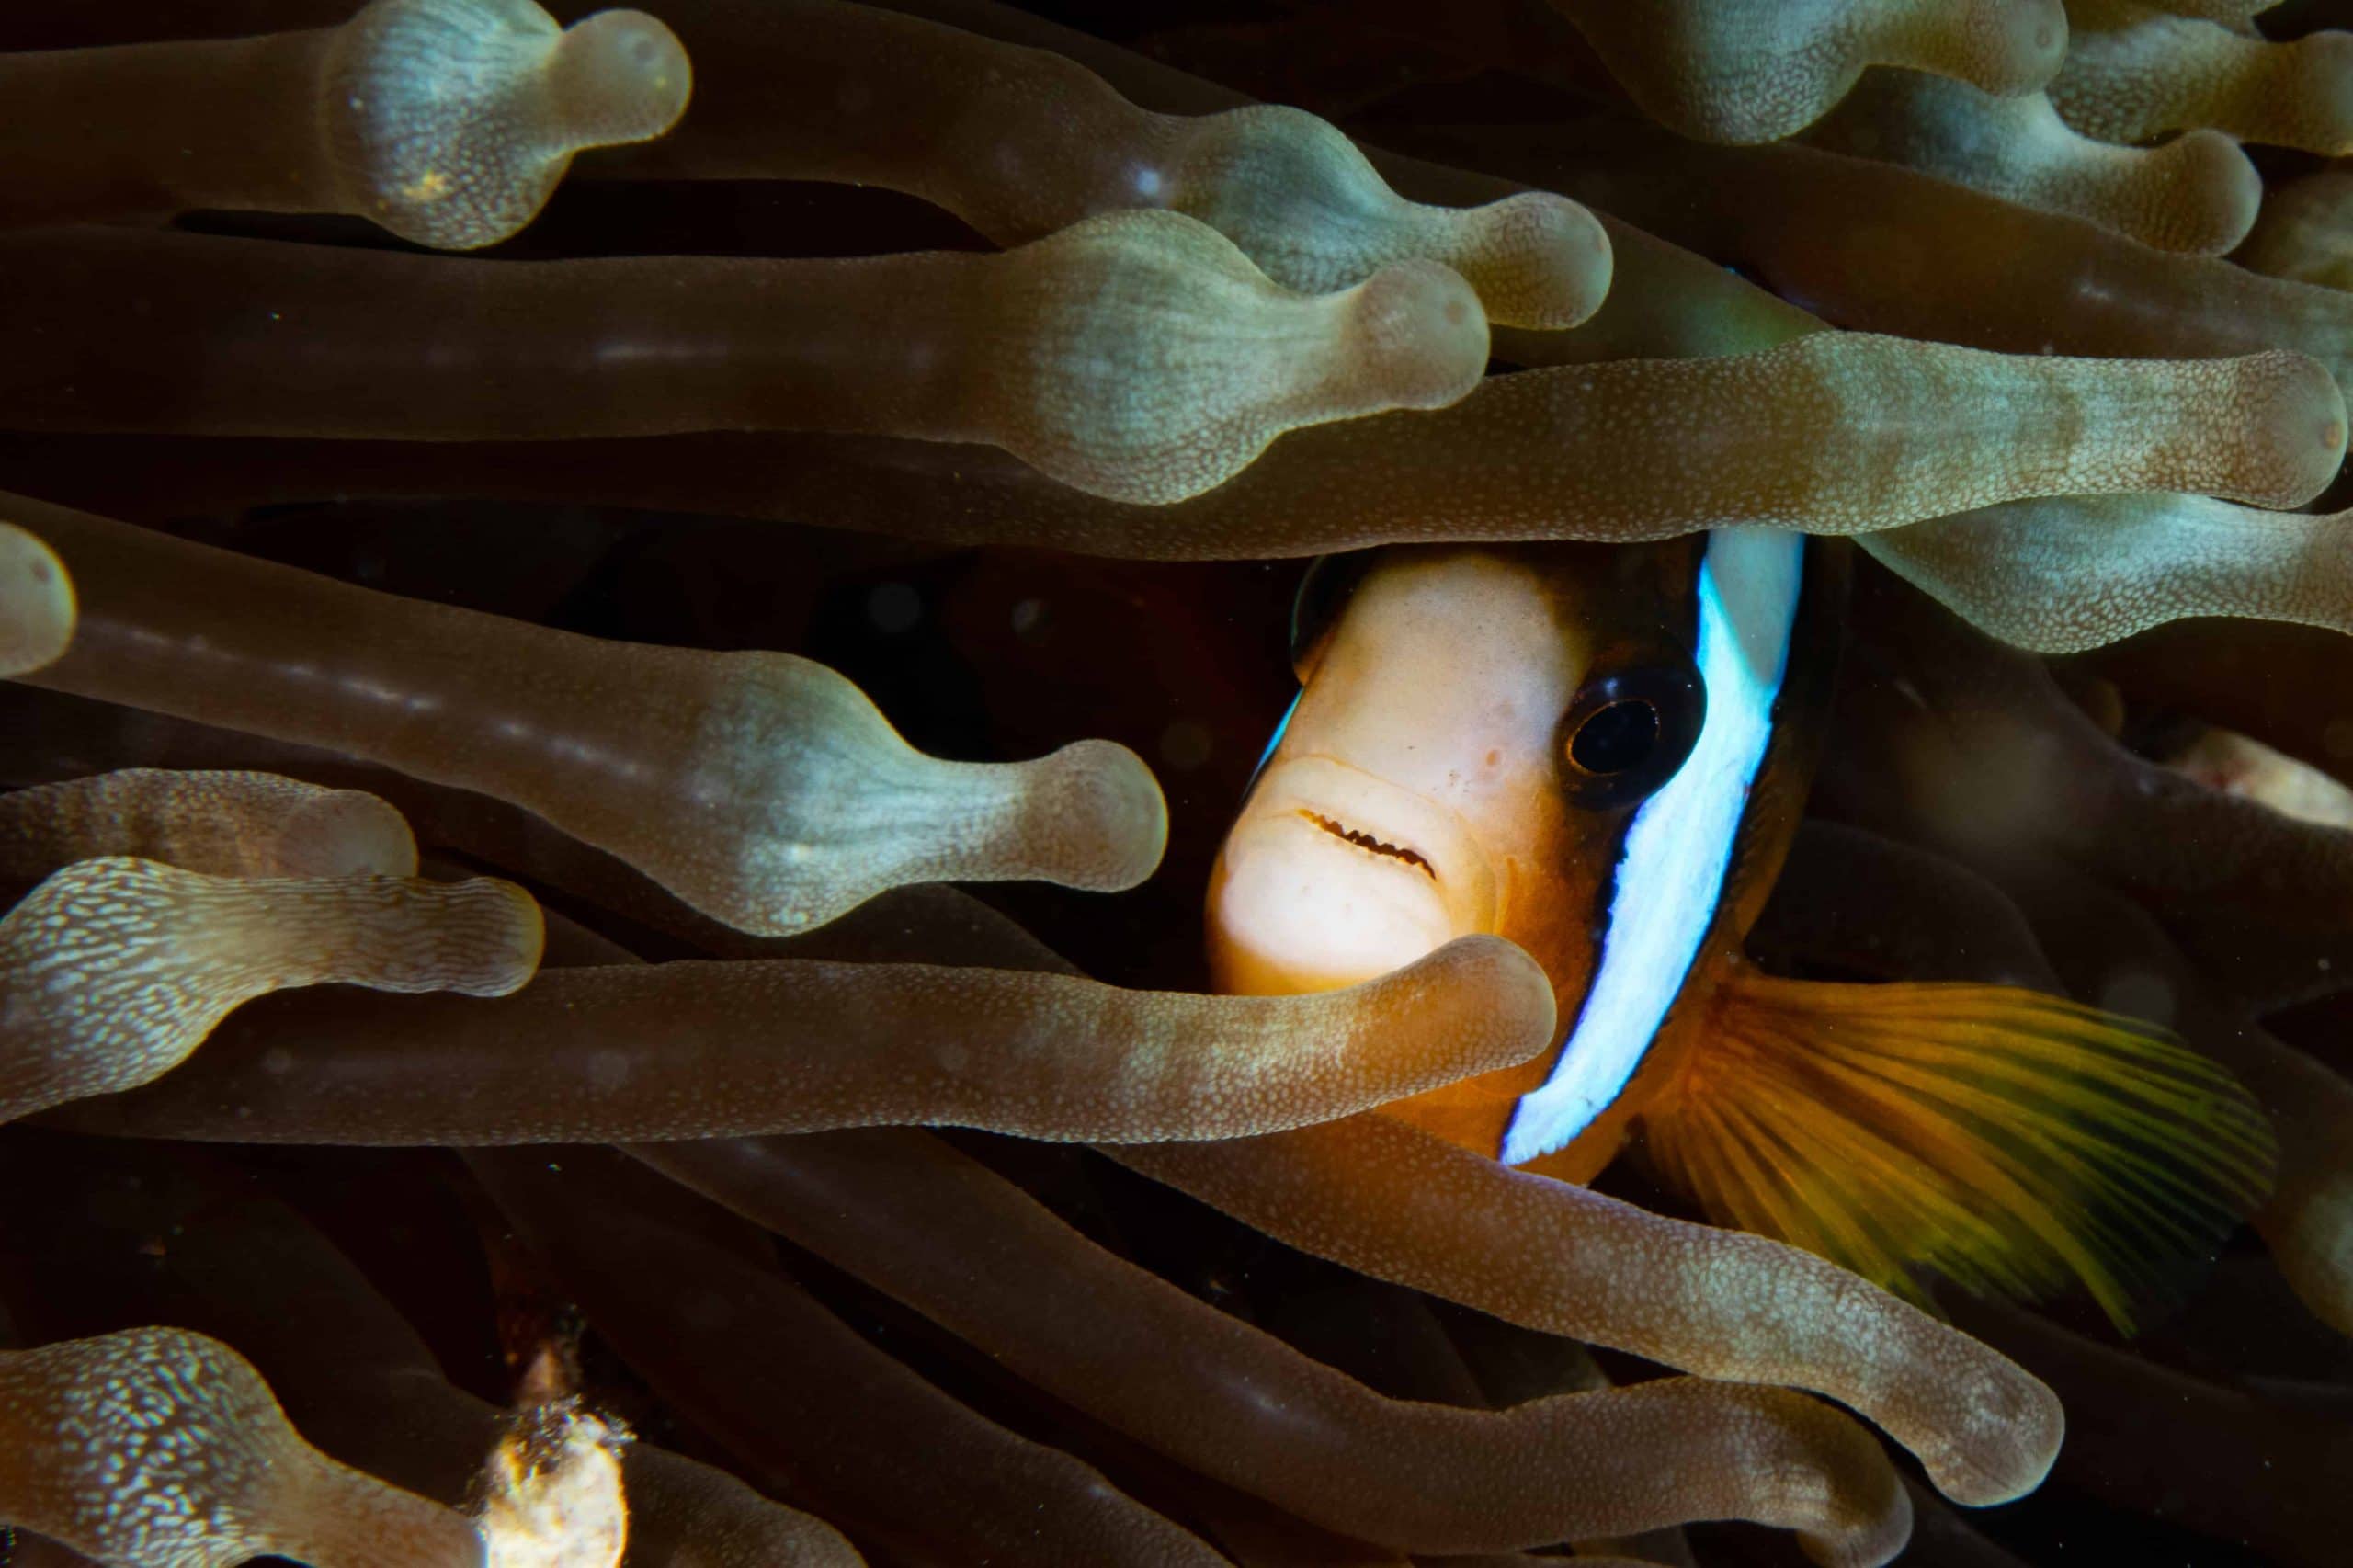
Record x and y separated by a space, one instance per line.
865 435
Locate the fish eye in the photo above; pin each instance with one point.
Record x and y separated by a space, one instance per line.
1618 737
1627 731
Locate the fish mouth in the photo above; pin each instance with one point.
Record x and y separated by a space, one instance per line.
1334 875
1371 845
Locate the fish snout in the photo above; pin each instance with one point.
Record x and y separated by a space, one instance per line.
1334 875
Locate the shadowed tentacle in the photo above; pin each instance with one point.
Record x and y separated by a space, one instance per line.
447 122
808 1405
2197 193
1391 1201
1021 142
224 823
1146 1356
159 1446
531 350
350 1372
2265 1479
1879 248
2306 232
113 971
2072 572
713 1049
1736 73
1135 356
1869 905
2049 844
2132 72
761 788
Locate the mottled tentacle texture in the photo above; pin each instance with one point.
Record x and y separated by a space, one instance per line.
1020 142
1389 1201
2197 192
763 788
2073 572
36 605
113 971
357 1379
1837 433
2133 72
1147 1357
1725 71
1137 356
706 1050
1881 248
226 825
160 1446
447 122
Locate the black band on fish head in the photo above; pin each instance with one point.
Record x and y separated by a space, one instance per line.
1322 593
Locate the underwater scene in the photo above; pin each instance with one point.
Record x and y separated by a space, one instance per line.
1159 783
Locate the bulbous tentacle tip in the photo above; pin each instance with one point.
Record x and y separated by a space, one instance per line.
346 833
514 940
2321 84
1536 260
2218 189
2016 45
1515 998
451 121
2295 421
1419 335
619 76
37 603
1094 816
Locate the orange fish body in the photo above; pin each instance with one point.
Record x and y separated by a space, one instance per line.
1601 753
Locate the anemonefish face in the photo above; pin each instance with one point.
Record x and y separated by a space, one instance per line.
1482 743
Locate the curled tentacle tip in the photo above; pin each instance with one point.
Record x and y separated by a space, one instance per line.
37 603
1537 259
1420 337
1875 1534
1097 815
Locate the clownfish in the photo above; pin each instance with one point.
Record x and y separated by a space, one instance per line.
1601 753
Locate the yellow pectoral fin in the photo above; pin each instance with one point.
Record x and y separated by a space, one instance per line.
2010 1140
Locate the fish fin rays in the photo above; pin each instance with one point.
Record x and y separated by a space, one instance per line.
2012 1142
